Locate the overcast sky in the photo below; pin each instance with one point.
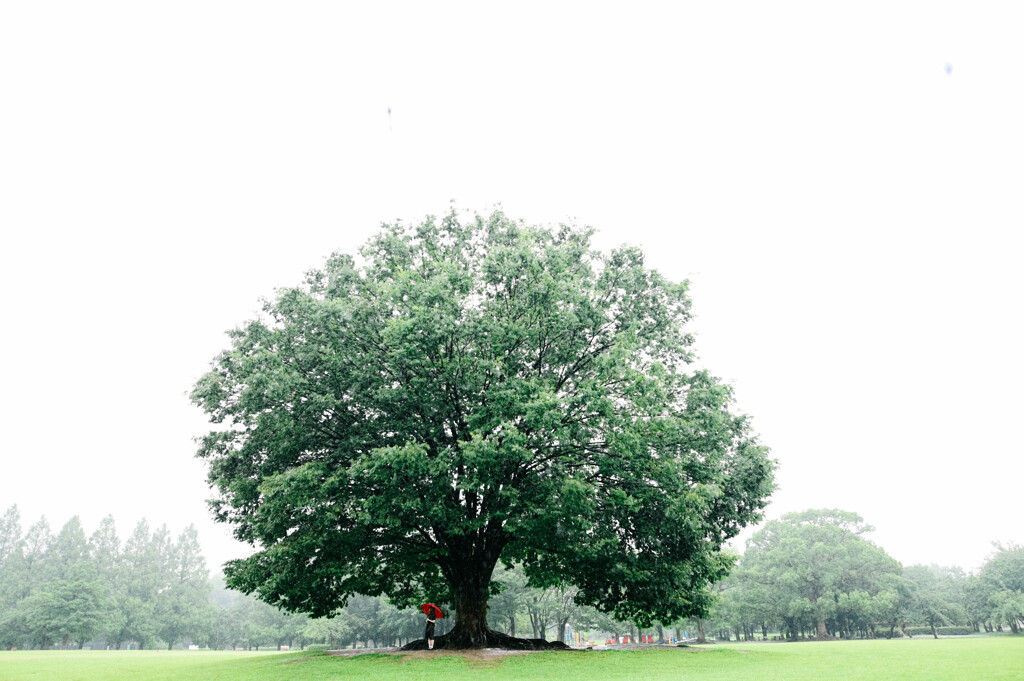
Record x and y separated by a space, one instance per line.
842 187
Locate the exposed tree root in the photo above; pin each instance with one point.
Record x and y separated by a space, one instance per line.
488 638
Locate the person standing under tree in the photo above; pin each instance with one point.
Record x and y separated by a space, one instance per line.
429 633
433 613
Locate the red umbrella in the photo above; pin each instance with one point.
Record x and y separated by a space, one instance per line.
432 611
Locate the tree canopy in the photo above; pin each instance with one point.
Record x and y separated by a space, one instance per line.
817 565
1002 581
473 390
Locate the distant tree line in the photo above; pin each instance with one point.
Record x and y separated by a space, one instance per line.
815 574
810 574
67 590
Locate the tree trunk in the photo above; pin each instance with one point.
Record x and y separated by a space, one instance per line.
822 629
469 584
470 631
539 624
701 638
934 633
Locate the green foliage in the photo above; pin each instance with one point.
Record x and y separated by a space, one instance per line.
53 591
12 576
182 608
72 607
1003 579
509 594
816 568
936 595
317 648
941 631
473 391
64 589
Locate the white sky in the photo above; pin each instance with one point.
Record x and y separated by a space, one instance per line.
843 188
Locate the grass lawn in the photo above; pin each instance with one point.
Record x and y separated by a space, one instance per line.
974 659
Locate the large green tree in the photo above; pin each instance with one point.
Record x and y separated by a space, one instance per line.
73 607
936 595
71 602
475 390
816 566
1002 579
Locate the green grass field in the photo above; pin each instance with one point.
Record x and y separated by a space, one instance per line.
974 659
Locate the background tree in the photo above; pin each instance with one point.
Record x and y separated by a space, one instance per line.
67 550
35 571
141 575
12 574
10 535
364 618
273 627
729 614
71 607
105 554
224 632
976 605
936 595
67 601
183 609
810 559
566 610
891 606
540 606
253 623
510 599
475 392
35 557
1002 581
401 625
333 631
